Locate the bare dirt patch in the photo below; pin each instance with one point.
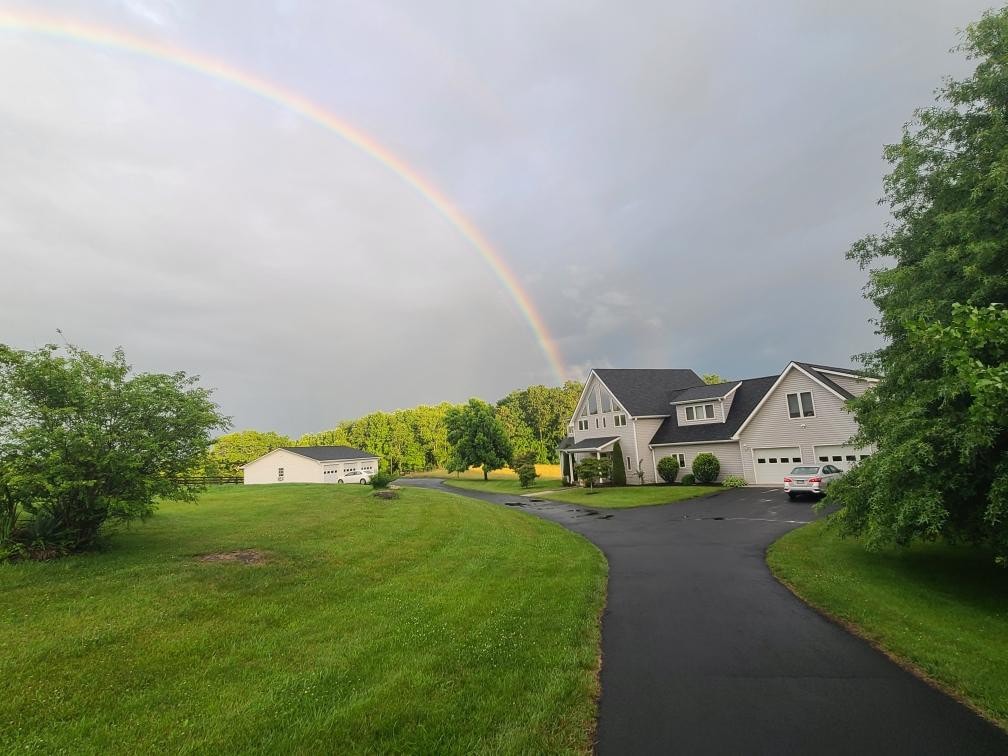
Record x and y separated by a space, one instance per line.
243 556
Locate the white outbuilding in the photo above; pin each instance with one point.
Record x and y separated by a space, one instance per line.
311 464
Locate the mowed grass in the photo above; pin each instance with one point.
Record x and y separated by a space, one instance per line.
546 472
943 609
430 624
622 497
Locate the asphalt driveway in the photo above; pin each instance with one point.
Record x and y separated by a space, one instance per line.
704 652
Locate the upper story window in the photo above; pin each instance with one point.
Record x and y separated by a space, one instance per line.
700 412
606 402
583 424
800 404
619 421
592 404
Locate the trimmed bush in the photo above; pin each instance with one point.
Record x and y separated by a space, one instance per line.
526 469
381 479
688 479
706 468
668 469
734 481
618 467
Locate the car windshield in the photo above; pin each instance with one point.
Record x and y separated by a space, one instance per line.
805 471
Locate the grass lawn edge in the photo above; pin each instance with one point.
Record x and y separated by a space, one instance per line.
901 661
449 483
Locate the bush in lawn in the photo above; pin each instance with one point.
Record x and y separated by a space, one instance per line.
668 469
618 468
688 479
381 479
525 466
706 468
734 481
590 470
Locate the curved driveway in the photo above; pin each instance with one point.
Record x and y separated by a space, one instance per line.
705 652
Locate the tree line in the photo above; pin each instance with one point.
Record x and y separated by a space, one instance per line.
533 420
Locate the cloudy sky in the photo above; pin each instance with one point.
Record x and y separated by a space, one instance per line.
673 184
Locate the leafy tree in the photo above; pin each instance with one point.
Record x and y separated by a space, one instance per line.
668 469
940 465
85 441
525 466
232 450
706 467
712 378
478 437
591 470
618 467
522 437
337 436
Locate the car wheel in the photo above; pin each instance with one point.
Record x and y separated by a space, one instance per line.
792 496
363 481
340 480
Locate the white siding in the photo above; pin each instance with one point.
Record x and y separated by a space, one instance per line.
726 406
728 455
646 428
297 469
718 413
610 429
772 427
856 386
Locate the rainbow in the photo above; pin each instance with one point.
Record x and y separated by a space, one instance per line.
75 31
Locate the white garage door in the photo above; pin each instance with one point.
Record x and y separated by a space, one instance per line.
773 464
844 457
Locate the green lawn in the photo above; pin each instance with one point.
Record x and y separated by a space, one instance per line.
603 498
430 624
942 609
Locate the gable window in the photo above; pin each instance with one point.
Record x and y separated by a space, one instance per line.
582 425
606 402
700 412
619 421
592 404
800 404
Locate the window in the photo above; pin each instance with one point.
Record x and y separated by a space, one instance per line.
603 422
773 460
824 459
762 460
681 459
592 404
606 402
582 425
800 404
864 456
851 458
628 463
700 412
838 458
596 422
279 473
619 421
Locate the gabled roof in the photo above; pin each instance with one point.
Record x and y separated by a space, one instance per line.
711 391
645 392
825 379
590 444
329 453
749 394
843 371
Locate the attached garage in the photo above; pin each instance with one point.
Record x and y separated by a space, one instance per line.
844 457
772 464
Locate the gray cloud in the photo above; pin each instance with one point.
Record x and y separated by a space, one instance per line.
675 185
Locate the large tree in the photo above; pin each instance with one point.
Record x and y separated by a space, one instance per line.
232 450
478 438
84 440
940 469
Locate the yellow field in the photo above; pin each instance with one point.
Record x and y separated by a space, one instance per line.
475 473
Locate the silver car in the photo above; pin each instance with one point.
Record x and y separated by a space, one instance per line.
813 479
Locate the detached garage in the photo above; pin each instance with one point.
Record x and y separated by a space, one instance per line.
311 464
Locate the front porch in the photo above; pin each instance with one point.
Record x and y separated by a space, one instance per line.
571 453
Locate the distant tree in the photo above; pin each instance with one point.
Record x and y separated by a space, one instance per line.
618 467
668 469
936 417
712 378
592 470
84 441
522 437
537 416
337 436
232 450
478 437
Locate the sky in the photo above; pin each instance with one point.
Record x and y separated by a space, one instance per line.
671 184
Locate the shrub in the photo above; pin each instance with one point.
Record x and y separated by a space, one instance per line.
381 479
668 469
526 469
618 467
706 468
734 481
688 479
590 470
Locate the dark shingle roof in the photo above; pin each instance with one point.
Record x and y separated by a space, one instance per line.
825 378
647 392
329 453
590 444
746 398
712 391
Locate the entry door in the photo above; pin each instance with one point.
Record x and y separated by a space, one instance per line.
773 464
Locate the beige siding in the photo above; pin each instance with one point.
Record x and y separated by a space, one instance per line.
726 406
856 386
772 427
297 469
718 413
646 428
728 455
601 424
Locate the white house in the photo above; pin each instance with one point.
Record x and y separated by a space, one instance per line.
758 428
309 464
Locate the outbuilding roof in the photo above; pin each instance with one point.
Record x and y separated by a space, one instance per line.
329 453
646 392
748 395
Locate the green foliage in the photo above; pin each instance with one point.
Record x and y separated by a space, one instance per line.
734 481
618 467
84 441
535 418
232 450
712 378
477 436
381 480
668 469
688 479
706 468
937 417
592 470
525 466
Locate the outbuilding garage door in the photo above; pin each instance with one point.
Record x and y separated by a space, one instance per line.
844 457
773 464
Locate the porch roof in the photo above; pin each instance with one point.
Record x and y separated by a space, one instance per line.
589 444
